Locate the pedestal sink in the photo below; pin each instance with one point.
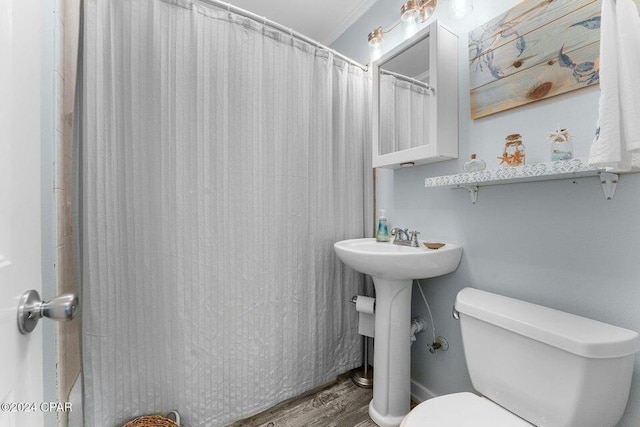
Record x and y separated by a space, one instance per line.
393 268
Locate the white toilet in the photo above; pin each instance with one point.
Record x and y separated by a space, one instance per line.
534 366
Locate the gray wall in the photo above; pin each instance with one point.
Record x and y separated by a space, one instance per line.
555 243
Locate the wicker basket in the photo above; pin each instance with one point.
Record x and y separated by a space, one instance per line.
151 421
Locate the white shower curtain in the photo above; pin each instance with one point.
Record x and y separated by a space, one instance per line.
220 162
404 115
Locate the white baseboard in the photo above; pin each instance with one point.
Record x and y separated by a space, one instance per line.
420 393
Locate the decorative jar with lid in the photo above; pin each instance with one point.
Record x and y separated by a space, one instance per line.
475 164
513 153
561 145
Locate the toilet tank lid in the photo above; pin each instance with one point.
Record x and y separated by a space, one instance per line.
578 335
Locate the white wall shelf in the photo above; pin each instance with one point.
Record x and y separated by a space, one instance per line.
563 169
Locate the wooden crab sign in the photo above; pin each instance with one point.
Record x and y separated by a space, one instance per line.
583 72
536 50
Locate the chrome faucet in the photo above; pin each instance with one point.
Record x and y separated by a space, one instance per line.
405 237
399 232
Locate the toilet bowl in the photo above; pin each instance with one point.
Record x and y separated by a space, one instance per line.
534 366
461 410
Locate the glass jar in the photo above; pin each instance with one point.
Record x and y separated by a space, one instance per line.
513 153
561 145
475 165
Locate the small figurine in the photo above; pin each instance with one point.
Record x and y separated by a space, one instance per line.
513 153
561 145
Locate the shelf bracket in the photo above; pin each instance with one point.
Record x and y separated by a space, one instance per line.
473 192
609 183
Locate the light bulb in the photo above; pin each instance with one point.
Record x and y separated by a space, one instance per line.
409 11
410 28
376 53
427 7
375 37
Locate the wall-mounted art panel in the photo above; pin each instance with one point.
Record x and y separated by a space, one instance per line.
536 50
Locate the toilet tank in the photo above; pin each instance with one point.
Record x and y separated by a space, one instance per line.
546 366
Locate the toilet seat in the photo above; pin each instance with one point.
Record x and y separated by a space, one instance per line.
461 410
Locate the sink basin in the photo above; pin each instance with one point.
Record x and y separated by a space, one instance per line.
393 268
389 261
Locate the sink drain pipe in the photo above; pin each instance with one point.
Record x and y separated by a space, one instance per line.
417 325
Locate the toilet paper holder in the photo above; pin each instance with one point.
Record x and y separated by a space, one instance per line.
354 300
362 376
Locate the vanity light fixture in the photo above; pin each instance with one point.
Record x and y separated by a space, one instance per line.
375 37
411 11
427 7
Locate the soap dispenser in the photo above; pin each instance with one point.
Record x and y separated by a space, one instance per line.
382 235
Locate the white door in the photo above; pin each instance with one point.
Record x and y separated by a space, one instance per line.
20 216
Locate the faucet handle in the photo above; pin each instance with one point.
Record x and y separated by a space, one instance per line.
413 236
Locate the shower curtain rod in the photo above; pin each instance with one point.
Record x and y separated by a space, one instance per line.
408 79
273 24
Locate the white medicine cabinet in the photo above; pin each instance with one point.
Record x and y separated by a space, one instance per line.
415 100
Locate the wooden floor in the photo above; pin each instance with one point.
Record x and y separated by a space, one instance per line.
341 404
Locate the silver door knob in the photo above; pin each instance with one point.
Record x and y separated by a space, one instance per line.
32 308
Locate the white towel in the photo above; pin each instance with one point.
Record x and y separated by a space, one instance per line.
618 134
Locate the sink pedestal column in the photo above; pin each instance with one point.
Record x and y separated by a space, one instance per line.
392 352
